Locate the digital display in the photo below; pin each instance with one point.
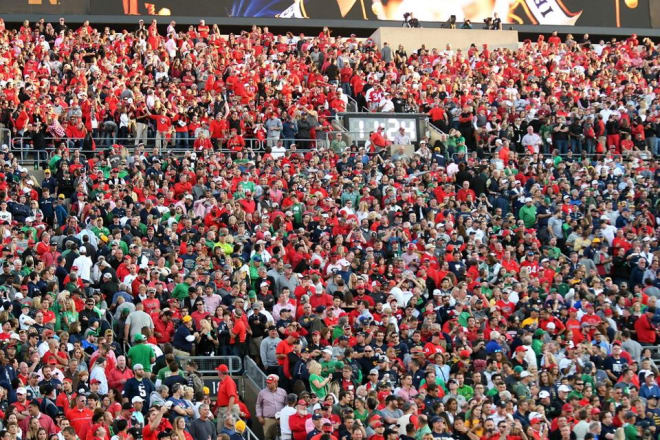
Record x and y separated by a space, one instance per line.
361 127
608 13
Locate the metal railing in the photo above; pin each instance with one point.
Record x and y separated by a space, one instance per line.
352 105
26 153
250 435
207 365
254 373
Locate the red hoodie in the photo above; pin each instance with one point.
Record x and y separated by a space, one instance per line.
117 378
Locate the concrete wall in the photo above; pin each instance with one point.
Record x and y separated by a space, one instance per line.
250 393
413 39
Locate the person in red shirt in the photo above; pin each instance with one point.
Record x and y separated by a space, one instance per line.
554 39
238 333
438 116
59 358
378 139
163 126
226 402
574 326
298 420
465 192
44 420
282 352
326 429
157 424
320 298
118 376
646 332
21 404
151 303
203 29
433 347
163 326
236 142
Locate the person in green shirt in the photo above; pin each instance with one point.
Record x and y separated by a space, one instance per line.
629 429
463 389
69 315
318 384
328 365
527 213
298 209
141 353
98 229
181 290
338 144
361 412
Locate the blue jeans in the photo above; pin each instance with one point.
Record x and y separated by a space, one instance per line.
182 139
346 88
590 146
562 146
576 146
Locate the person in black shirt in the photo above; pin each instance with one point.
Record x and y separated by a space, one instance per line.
399 103
257 321
461 432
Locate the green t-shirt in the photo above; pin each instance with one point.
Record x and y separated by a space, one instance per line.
631 432
180 291
320 392
465 391
297 209
142 354
361 416
528 215
166 372
329 367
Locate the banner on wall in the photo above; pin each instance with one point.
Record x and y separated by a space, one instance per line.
608 13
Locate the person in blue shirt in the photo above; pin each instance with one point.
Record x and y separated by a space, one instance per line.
493 345
184 336
650 388
140 386
179 406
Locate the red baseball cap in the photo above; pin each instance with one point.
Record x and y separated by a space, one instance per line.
222 368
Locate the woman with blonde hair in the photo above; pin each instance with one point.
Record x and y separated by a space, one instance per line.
69 314
179 431
188 397
317 383
208 342
33 429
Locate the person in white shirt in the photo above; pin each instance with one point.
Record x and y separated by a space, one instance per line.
607 230
278 150
98 373
532 139
374 96
4 214
402 138
284 414
84 264
386 104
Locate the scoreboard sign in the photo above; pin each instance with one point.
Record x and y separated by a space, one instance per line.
360 125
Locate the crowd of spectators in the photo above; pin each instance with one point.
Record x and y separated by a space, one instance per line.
499 284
